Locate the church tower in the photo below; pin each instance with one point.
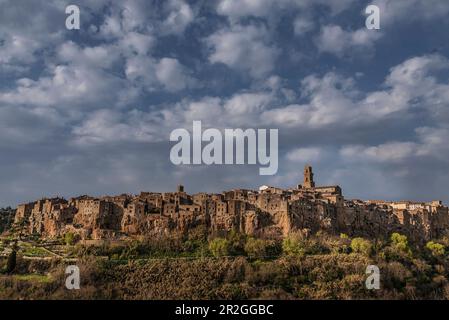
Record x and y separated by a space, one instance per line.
308 177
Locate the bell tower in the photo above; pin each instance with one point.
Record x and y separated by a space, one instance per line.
308 177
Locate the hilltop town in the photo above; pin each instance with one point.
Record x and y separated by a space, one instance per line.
269 212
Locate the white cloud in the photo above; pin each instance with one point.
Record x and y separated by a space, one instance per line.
333 39
399 11
94 57
66 86
431 143
137 43
411 84
168 17
243 48
303 25
241 8
179 17
334 100
172 75
110 126
330 102
304 155
236 9
388 152
18 49
247 103
167 73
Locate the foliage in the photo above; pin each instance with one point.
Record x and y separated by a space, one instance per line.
437 249
35 252
400 242
219 247
362 246
70 238
256 248
172 268
6 218
237 242
292 245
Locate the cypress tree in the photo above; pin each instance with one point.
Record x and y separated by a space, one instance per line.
11 264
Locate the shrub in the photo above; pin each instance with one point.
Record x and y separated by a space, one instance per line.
236 243
198 234
292 245
70 238
339 245
360 245
400 242
256 248
219 247
437 249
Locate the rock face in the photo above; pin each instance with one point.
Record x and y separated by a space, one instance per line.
269 212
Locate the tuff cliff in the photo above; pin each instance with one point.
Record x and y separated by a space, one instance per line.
269 212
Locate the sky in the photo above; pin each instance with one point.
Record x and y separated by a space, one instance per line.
90 111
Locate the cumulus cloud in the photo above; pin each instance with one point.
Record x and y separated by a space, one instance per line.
410 11
243 48
94 57
172 75
66 86
167 73
330 101
110 126
180 15
20 42
16 49
263 8
388 152
170 17
333 99
412 84
333 39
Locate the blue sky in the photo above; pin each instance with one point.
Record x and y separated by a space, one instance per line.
91 110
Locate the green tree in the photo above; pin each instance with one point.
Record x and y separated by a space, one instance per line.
400 242
255 248
437 249
236 243
12 261
360 245
292 245
219 247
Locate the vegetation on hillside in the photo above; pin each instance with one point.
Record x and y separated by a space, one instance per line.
237 267
6 218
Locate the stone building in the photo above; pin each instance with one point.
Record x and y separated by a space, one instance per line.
268 212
